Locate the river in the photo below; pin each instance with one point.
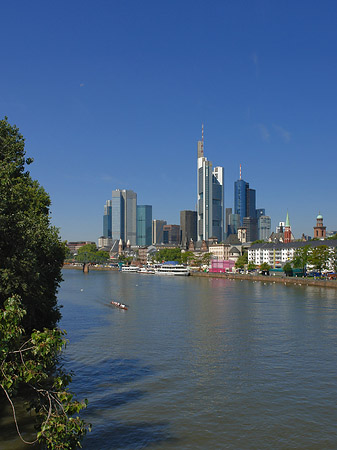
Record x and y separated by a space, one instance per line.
201 363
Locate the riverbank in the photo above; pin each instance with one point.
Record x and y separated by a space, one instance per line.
270 279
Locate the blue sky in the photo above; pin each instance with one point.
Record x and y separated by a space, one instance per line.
112 94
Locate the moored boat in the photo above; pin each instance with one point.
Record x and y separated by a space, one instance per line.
130 269
172 269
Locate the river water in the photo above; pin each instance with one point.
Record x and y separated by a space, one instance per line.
198 363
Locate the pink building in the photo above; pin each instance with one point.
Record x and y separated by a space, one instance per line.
221 266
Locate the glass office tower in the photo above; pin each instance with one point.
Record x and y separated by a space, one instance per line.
144 225
107 226
120 216
210 195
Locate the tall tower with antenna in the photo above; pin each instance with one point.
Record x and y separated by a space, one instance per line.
210 195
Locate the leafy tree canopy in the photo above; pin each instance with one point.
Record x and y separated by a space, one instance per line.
27 363
241 261
319 257
168 254
31 253
301 257
91 248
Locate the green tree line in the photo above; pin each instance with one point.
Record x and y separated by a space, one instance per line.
31 258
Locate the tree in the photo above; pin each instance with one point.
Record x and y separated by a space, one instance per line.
287 269
319 257
31 253
301 257
251 266
265 268
168 254
241 261
186 257
333 259
31 258
28 368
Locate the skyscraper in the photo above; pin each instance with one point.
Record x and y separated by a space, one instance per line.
157 231
107 219
264 226
188 227
210 195
244 199
144 225
119 220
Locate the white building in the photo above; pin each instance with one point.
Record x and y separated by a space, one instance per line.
277 254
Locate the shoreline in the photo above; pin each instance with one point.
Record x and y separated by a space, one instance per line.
231 276
270 279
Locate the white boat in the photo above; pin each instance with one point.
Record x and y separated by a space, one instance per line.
130 269
146 270
172 269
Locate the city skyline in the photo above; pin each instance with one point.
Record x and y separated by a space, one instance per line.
113 96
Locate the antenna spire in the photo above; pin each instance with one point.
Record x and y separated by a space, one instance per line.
202 132
240 171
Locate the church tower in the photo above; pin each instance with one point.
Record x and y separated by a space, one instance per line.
319 229
287 230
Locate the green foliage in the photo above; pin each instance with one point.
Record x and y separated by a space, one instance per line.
251 266
168 254
31 254
89 254
287 269
258 241
28 367
187 257
100 257
319 257
333 259
67 252
87 248
242 261
301 257
264 267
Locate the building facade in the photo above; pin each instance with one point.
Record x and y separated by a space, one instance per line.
171 234
210 197
144 225
188 227
277 254
264 227
120 216
158 231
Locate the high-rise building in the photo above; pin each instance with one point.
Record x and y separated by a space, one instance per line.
171 234
210 195
188 227
227 214
107 226
260 212
264 226
157 231
244 199
119 220
144 225
250 223
234 223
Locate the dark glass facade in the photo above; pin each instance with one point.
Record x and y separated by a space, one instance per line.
144 225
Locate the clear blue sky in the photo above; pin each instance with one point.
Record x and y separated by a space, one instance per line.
112 94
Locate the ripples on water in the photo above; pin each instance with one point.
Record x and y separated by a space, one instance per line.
202 363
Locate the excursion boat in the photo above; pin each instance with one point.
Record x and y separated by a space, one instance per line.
147 270
172 269
130 269
119 305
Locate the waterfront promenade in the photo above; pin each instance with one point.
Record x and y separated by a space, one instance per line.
236 276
